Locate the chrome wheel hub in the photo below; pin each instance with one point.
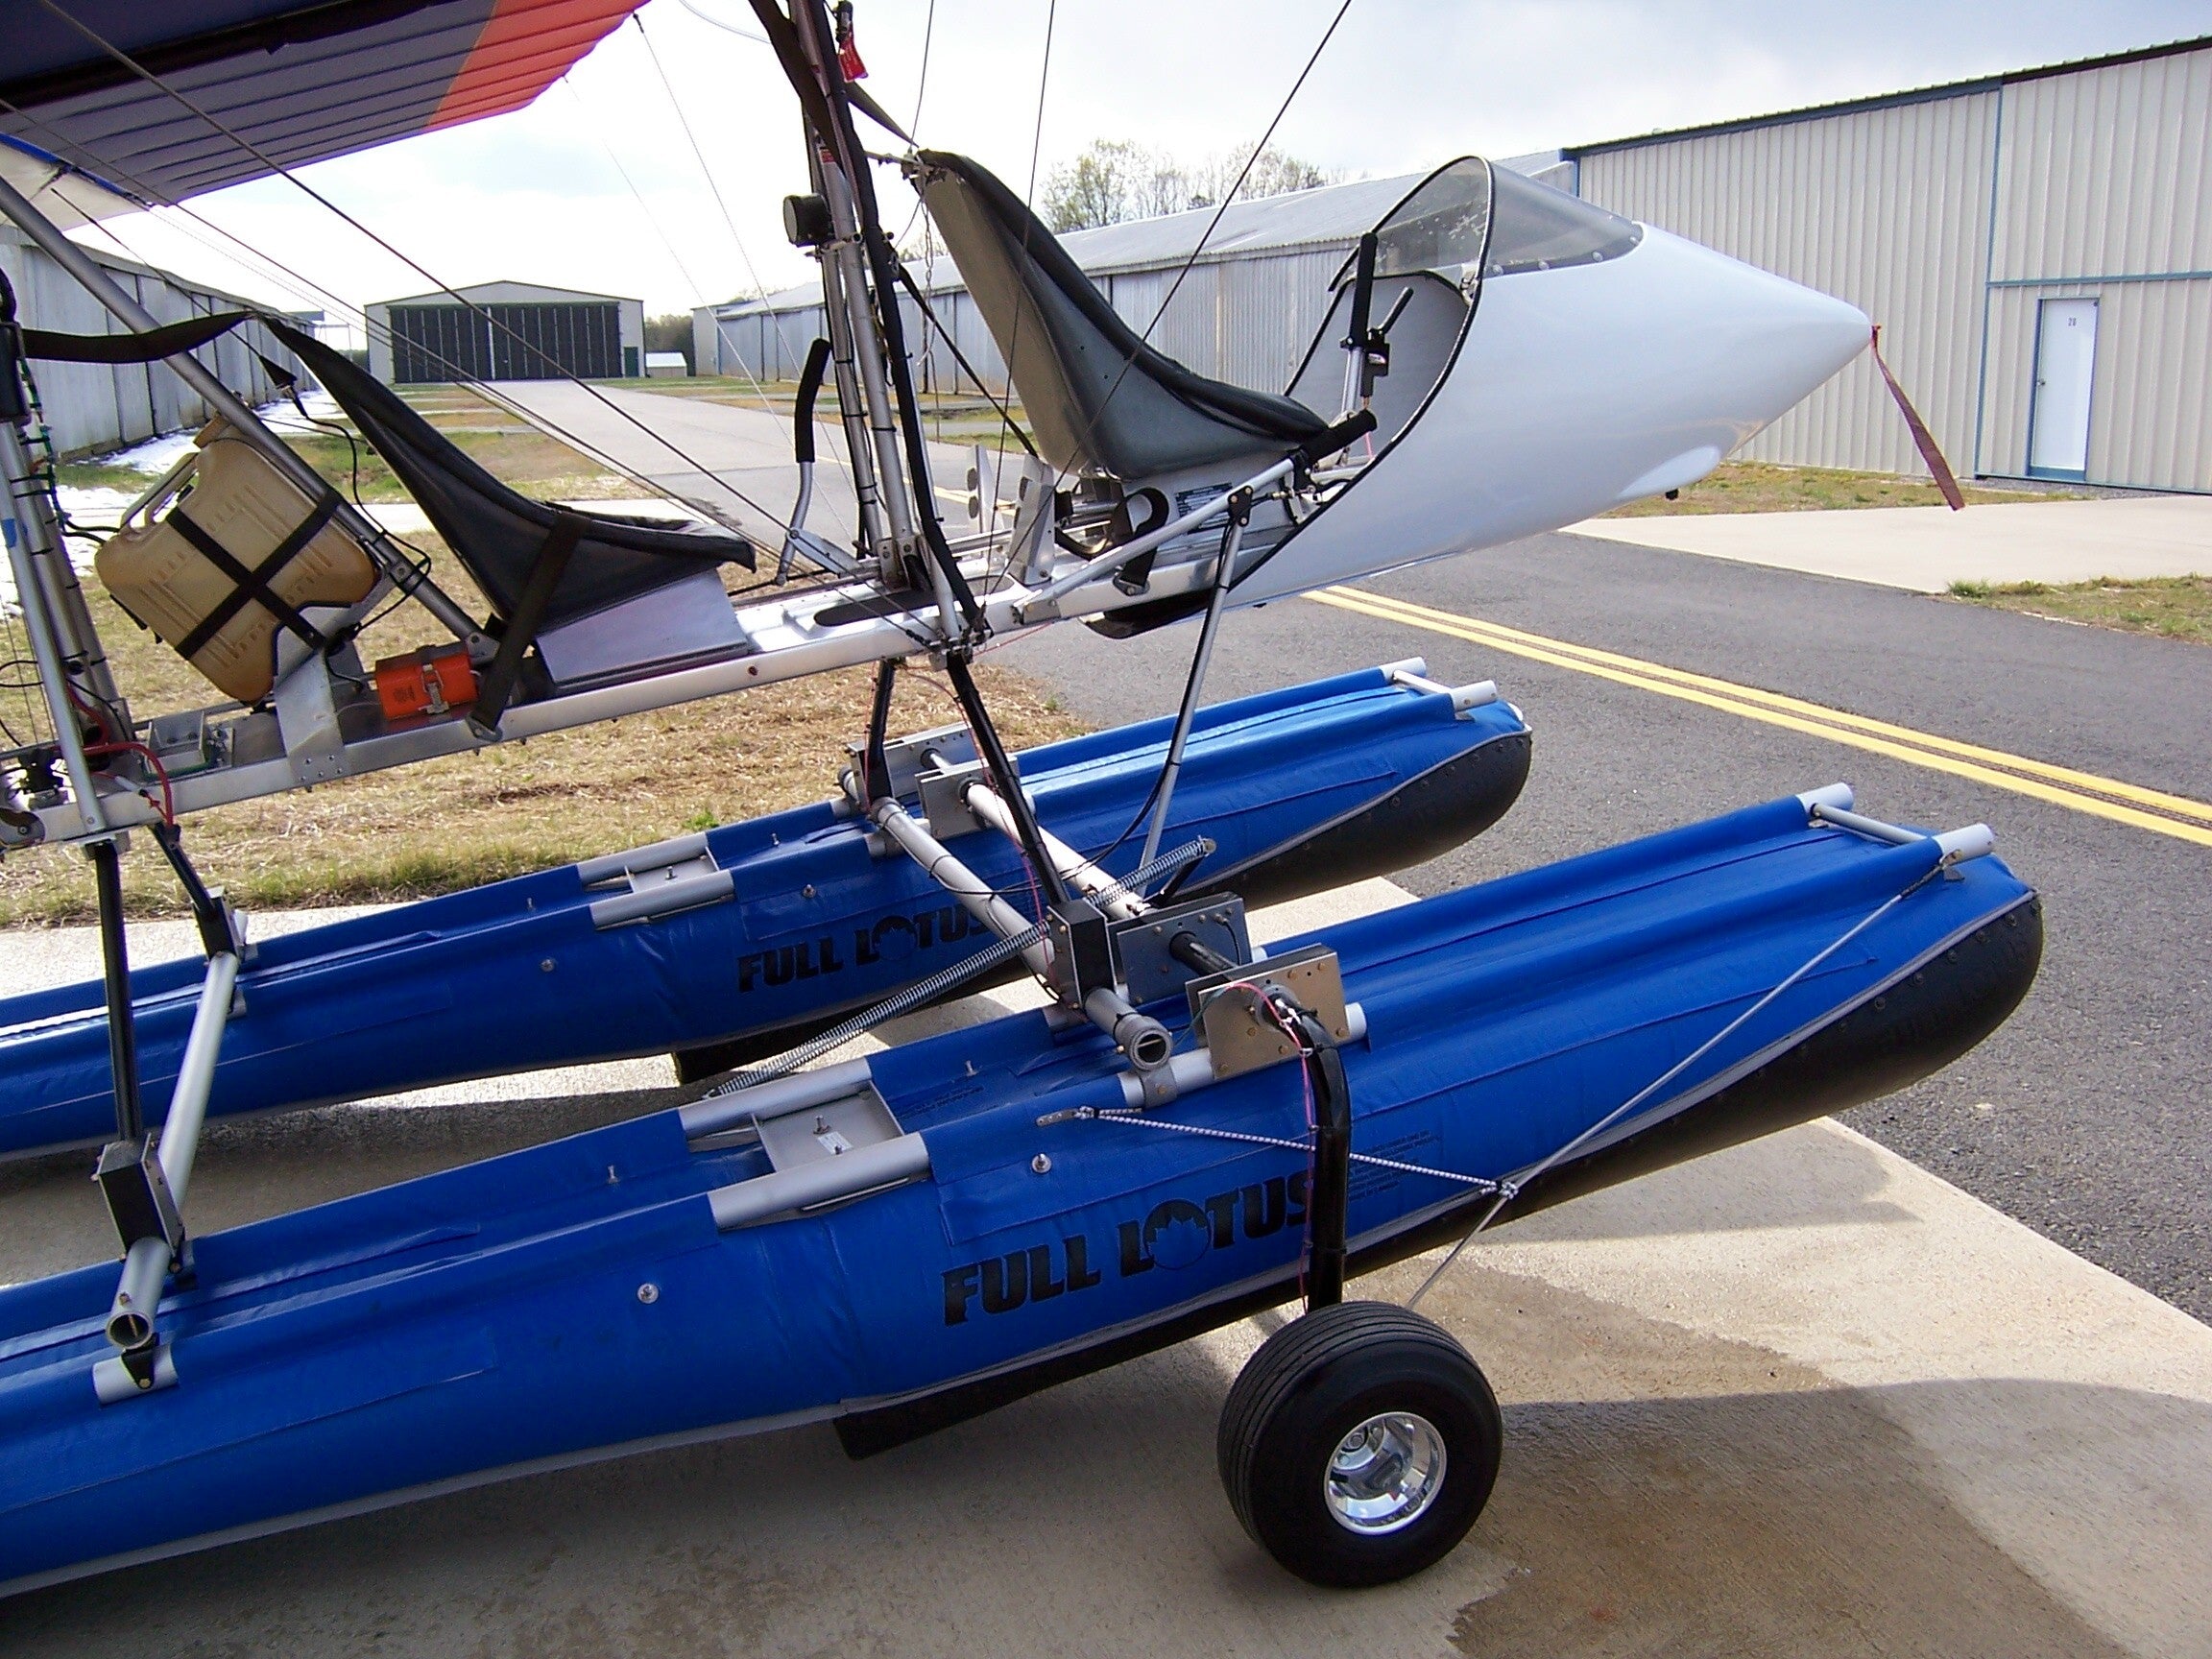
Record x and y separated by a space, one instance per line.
1385 1473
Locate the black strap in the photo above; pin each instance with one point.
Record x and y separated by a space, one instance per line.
251 587
552 563
171 341
803 408
1342 435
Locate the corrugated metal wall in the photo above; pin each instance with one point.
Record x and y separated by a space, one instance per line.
91 408
2107 173
1947 220
1887 209
1245 320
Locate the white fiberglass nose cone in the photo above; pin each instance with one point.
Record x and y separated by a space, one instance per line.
1578 388
1705 348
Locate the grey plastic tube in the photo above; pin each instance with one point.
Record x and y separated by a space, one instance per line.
860 1171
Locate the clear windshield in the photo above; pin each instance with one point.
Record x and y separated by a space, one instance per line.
1535 227
1441 225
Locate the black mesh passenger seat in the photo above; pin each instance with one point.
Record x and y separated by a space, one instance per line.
498 534
1096 395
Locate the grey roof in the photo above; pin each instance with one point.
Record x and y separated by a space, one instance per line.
1892 99
1331 215
503 291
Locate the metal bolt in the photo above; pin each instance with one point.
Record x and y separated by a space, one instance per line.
807 891
546 966
1041 1163
648 1292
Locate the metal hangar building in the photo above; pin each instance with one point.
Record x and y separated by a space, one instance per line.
2037 246
506 332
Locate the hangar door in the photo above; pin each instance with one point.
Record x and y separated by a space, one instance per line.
539 341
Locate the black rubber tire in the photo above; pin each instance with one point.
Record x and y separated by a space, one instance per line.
1310 1386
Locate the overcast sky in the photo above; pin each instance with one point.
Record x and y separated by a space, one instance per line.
540 195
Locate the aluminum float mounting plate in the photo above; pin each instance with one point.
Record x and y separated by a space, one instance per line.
1240 1033
1140 950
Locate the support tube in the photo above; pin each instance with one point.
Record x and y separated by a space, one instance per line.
1079 871
1172 769
1038 606
1139 1036
45 643
956 878
147 1263
131 1317
115 970
196 1075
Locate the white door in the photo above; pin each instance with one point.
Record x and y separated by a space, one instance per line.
2065 364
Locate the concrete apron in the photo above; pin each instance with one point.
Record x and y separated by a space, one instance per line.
1799 1398
1924 550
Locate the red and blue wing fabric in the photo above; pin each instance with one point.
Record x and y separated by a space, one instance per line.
299 80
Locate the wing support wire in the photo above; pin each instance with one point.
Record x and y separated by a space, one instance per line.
1951 849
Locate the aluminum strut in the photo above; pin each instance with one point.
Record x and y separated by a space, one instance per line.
1139 1036
51 613
1078 872
115 967
142 1363
1232 537
31 542
145 1186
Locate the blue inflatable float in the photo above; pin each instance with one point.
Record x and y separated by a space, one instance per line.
739 941
901 1241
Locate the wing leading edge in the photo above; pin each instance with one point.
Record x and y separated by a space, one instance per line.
301 82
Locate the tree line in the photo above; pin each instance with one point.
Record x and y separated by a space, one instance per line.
1113 180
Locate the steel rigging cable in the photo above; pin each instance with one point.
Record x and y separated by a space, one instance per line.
289 177
263 263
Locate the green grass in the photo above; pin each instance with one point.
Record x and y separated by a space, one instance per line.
103 475
1759 487
2172 607
536 465
458 822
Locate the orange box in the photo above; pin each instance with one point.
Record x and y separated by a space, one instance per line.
436 679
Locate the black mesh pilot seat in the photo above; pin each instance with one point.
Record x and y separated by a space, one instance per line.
499 534
1098 399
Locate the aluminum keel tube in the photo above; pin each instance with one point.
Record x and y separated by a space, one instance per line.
1142 1038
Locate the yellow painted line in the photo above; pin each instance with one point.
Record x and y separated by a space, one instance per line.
2178 804
1995 767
